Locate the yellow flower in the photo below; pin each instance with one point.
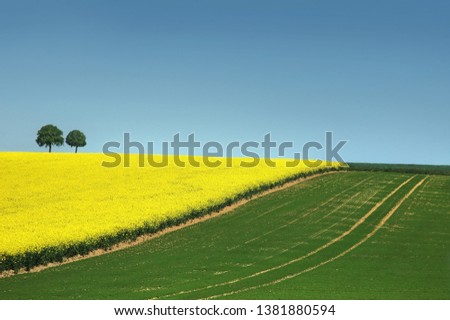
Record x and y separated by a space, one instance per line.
60 199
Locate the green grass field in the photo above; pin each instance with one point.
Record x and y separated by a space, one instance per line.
348 235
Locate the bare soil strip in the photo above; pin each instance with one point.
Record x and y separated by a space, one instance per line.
340 237
141 239
368 236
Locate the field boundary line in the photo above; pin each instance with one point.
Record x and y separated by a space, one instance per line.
326 245
367 237
144 238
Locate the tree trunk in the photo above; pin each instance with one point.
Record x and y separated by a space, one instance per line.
76 149
50 148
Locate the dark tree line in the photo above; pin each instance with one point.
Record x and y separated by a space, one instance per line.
51 135
401 168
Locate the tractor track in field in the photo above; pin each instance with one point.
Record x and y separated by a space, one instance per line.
144 238
340 237
363 240
315 235
322 205
304 215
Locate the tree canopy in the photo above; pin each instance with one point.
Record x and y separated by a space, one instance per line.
49 135
76 139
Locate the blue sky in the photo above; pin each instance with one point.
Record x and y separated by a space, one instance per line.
375 73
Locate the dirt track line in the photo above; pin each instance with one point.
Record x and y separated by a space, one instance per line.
318 233
325 203
308 212
358 223
326 229
144 238
301 217
368 236
315 235
338 207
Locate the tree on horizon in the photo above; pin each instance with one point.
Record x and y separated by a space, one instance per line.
76 139
49 135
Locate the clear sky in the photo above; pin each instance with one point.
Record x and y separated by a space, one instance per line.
376 73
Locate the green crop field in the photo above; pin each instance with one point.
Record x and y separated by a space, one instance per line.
347 235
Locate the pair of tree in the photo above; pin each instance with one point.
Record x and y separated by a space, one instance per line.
51 135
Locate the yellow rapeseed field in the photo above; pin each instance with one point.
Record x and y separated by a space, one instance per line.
49 200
